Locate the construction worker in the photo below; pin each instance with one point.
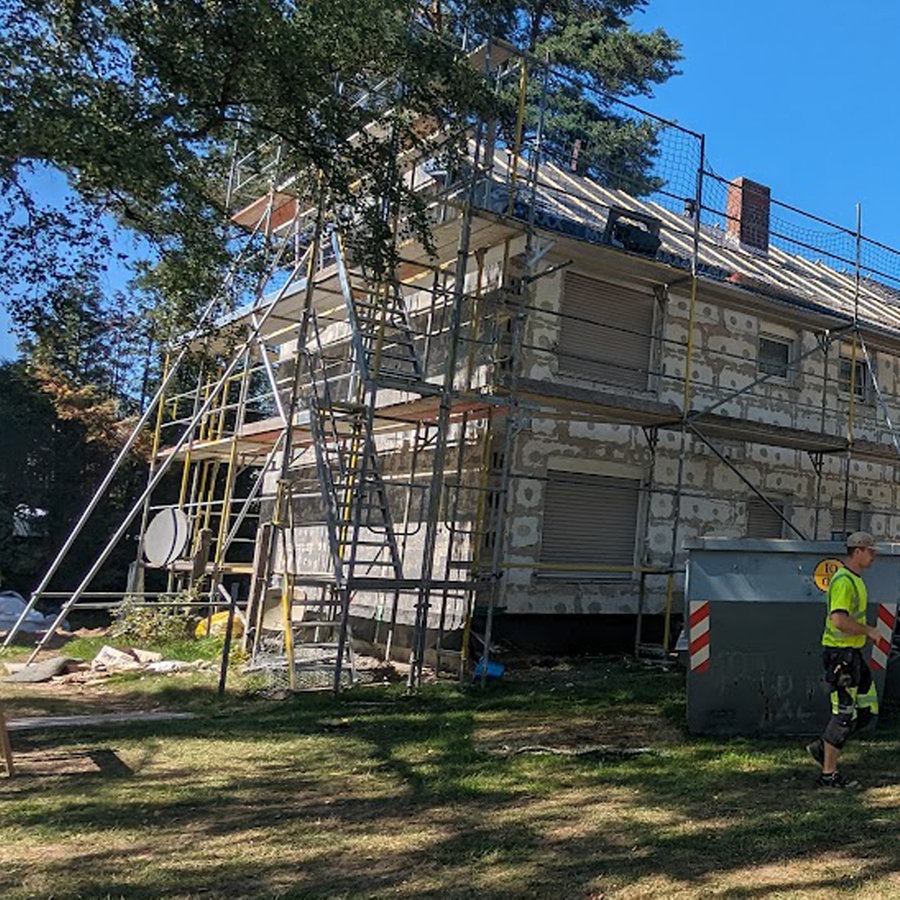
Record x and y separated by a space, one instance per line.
853 698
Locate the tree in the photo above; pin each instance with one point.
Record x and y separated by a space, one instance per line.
84 337
63 418
594 55
140 102
55 439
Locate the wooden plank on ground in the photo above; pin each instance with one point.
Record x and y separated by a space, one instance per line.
6 747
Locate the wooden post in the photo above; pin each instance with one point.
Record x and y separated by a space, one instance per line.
6 746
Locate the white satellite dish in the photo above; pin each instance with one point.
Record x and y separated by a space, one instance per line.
166 536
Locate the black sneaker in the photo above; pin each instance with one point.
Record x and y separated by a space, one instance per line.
817 751
836 780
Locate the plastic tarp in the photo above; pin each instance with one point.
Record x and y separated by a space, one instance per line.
11 606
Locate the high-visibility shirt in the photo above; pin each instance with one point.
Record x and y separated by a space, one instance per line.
846 592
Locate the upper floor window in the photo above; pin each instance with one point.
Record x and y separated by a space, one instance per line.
774 356
606 332
853 377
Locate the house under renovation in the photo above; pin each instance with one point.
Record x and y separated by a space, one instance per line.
512 436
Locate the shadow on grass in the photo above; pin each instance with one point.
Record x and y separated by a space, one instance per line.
102 762
376 794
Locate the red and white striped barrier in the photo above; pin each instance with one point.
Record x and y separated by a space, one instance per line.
884 625
698 635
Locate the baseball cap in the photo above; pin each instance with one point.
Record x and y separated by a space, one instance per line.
860 539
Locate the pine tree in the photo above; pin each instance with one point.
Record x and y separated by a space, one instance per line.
592 54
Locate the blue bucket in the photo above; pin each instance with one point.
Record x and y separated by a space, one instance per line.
494 669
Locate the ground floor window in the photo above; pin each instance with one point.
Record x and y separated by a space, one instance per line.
854 523
590 520
762 520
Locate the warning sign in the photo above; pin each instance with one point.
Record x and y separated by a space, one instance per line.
824 570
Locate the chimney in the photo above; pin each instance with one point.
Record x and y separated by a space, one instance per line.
748 213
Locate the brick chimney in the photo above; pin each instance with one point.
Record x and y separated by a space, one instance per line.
748 213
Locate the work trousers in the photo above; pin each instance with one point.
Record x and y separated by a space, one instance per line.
853 697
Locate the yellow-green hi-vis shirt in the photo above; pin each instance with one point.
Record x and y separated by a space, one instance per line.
846 592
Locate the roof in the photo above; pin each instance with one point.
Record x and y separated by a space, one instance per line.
579 207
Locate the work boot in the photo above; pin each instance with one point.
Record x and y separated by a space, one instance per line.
836 780
817 751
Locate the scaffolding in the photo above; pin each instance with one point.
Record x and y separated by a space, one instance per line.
356 445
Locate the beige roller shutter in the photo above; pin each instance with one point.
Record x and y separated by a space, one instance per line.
605 333
763 521
590 520
854 523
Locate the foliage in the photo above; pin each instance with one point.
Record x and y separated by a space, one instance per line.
145 626
86 338
592 52
139 102
32 462
57 443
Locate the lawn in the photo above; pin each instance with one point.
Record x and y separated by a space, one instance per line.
574 780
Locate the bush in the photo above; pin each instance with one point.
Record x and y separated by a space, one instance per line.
144 625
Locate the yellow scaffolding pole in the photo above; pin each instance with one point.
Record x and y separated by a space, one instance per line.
520 127
231 471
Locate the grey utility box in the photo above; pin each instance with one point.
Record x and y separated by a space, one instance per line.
754 613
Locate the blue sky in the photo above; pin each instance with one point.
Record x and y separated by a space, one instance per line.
796 94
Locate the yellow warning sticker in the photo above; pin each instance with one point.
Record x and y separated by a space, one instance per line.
824 570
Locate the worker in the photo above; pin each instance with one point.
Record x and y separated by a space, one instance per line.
853 698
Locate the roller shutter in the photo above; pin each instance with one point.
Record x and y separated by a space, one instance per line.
590 519
605 332
854 523
763 521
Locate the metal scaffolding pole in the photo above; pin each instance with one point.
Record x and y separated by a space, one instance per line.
689 351
161 471
417 656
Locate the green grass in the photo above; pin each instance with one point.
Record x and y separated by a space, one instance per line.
377 794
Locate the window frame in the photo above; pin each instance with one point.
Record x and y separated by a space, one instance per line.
863 386
790 345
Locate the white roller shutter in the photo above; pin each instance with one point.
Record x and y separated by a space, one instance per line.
605 332
590 520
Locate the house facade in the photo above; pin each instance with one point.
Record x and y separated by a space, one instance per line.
607 401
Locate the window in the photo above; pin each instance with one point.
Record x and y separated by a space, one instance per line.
763 521
860 380
590 519
854 523
774 357
605 332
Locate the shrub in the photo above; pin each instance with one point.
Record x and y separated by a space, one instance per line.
143 625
